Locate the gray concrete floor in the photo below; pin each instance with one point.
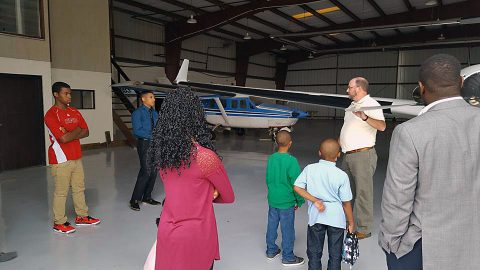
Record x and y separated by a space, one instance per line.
124 237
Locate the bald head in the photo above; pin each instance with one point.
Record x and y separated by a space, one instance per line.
283 138
329 149
362 83
357 88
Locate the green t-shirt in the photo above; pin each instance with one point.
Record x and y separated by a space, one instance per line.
282 171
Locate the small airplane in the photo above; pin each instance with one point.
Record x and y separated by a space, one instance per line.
227 111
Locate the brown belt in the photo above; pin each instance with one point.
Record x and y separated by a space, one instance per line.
359 150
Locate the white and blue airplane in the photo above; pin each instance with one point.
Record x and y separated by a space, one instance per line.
227 110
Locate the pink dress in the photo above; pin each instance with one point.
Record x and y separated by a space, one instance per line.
187 236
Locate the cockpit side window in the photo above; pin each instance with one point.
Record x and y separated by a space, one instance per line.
234 104
243 104
224 103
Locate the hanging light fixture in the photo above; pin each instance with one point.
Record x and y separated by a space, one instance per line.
283 48
247 36
191 20
310 56
441 37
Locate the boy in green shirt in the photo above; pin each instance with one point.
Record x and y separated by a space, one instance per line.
282 171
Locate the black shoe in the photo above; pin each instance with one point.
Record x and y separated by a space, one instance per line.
7 256
134 206
151 201
274 255
295 262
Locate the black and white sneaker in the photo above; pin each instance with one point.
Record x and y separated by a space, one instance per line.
297 261
274 255
134 206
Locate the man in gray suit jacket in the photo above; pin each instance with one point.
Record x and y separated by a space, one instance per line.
431 197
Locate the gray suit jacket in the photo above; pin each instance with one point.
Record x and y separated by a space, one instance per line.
432 188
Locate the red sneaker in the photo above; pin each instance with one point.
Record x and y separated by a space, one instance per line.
64 228
86 221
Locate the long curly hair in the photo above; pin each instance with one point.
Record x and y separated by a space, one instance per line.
181 122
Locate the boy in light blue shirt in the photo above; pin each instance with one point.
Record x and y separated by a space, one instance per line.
324 182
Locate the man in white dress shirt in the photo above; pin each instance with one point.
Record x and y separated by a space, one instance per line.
357 139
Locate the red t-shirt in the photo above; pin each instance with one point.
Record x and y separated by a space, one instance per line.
69 119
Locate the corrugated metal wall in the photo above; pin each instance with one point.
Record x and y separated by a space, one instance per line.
139 40
392 74
262 65
136 39
209 53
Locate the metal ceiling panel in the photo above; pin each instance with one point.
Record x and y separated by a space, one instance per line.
344 37
258 26
361 8
365 35
323 40
391 7
339 17
420 4
239 31
386 33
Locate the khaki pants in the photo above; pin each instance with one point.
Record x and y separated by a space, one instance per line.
68 174
360 168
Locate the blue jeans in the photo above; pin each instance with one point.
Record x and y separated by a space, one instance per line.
410 261
286 217
315 240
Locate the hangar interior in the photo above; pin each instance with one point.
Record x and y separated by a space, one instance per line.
300 45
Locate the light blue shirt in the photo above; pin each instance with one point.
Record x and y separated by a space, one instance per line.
328 183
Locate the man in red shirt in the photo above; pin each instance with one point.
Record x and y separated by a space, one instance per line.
66 127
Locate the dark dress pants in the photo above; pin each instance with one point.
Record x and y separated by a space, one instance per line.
410 261
145 181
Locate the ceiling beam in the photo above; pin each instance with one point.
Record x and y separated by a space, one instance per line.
457 10
377 8
209 21
252 17
302 24
345 10
461 9
408 5
150 8
138 15
325 19
165 13
464 32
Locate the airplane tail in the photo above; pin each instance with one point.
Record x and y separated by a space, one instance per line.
182 74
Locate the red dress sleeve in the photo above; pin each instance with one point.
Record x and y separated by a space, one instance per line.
213 170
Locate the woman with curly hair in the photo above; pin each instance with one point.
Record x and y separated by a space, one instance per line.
194 178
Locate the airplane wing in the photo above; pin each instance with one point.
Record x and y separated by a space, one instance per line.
138 87
396 107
